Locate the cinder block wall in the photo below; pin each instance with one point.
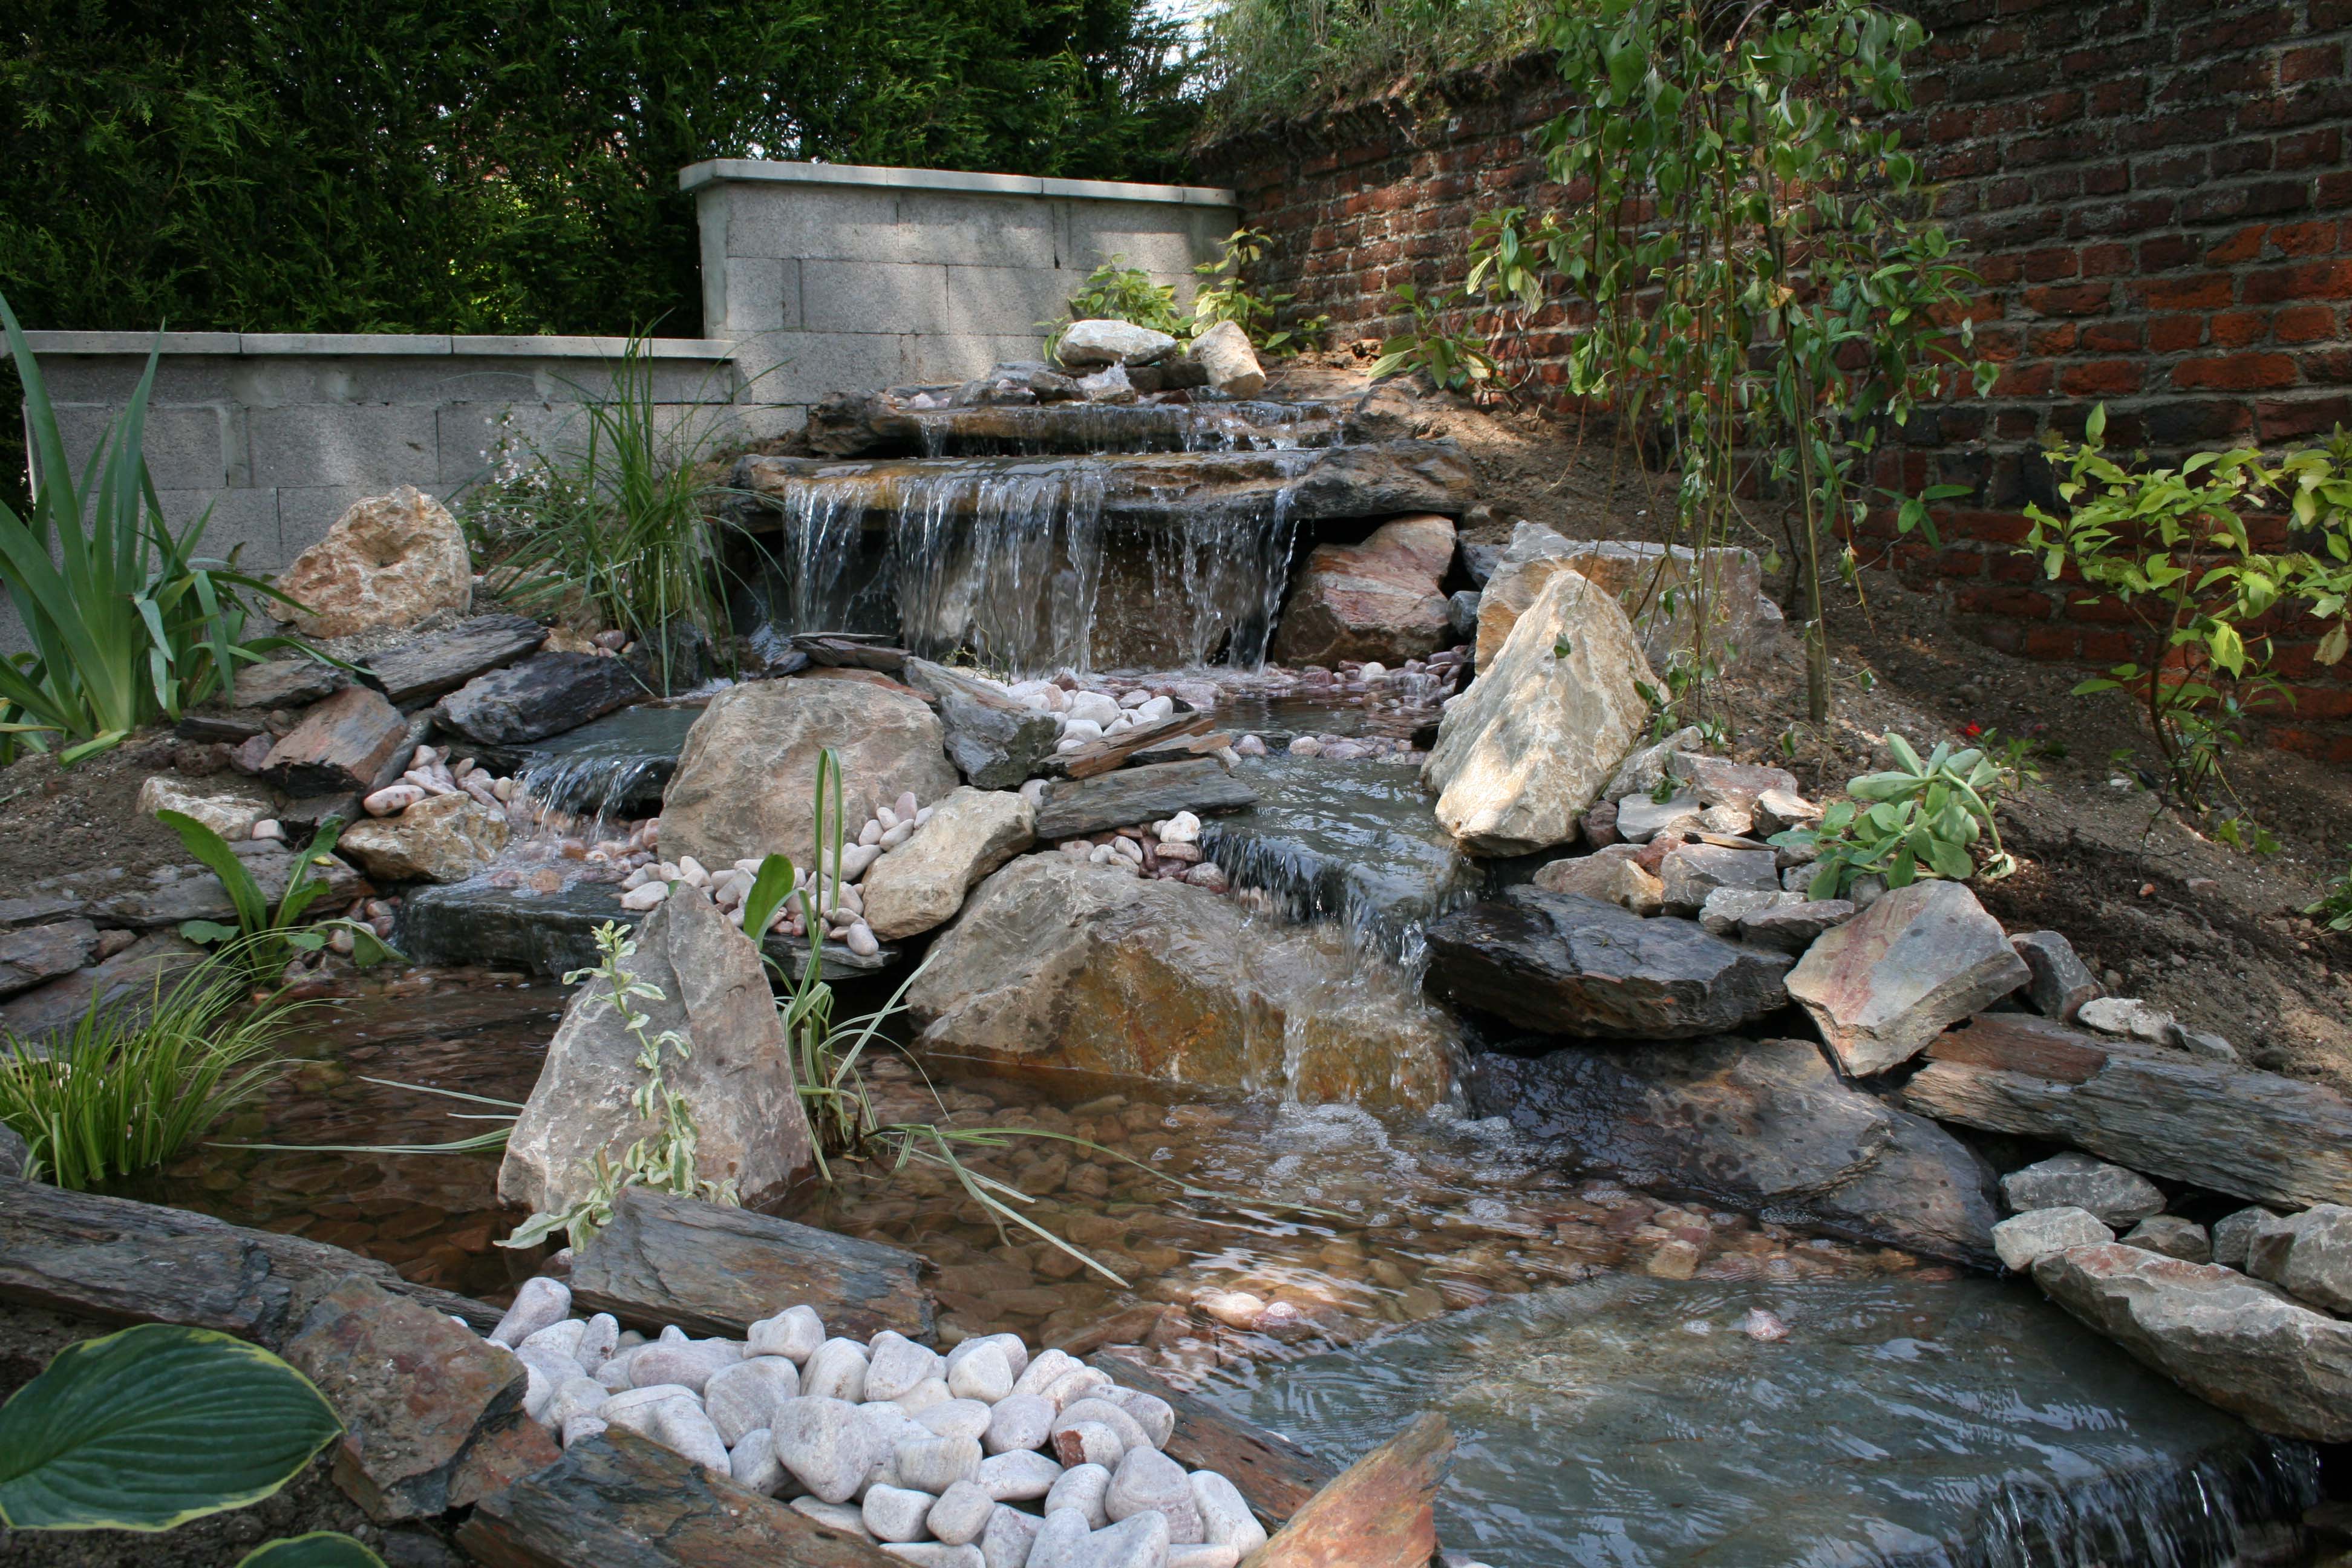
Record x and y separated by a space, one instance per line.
2155 192
832 277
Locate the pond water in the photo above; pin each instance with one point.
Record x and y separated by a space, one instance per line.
1636 1423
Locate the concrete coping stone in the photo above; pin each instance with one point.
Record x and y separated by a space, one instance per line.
719 171
427 344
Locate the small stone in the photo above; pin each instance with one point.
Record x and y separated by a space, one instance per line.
2029 1237
1677 1259
897 1513
894 1364
581 1428
1225 1516
1085 1487
1207 874
793 1334
2269 1242
1234 1309
2116 1196
1614 879
1062 1540
1764 1327
1009 1535
960 1514
539 1302
2231 1234
954 1418
2173 1236
935 1464
2319 1260
825 1445
1779 810
925 1396
1181 829
1148 1481
693 1364
744 1396
837 1516
985 1374
2128 1017
752 1464
1202 1556
1088 1443
2061 982
684 1427
1641 819
1048 1368
1153 1414
1727 908
1019 1421
835 1370
1141 1541
1018 1475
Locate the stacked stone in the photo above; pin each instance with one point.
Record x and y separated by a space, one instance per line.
1167 850
987 1457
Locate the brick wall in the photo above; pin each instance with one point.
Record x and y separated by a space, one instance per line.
2156 193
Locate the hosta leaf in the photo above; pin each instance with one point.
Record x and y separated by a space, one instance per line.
319 1549
153 1427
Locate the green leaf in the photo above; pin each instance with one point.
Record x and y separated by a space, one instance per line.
153 1427
2095 425
319 1549
206 931
252 909
770 887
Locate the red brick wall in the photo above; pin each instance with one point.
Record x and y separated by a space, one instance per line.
2156 193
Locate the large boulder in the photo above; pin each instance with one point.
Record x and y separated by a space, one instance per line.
1378 600
544 695
2285 1369
922 883
441 839
1655 586
1573 965
1530 745
746 781
1057 964
389 561
1882 986
1760 1125
737 1081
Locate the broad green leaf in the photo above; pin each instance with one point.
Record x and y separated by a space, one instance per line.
205 931
252 909
770 887
319 1549
153 1427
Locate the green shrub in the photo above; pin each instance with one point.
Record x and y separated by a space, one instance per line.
128 624
1268 61
2174 548
265 940
141 1076
1919 818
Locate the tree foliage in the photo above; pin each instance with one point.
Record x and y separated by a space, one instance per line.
502 165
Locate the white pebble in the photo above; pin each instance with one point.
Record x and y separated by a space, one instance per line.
584 1426
539 1301
960 1514
894 1364
753 1465
956 1418
1086 1488
983 1373
641 899
935 1464
835 1370
1018 1421
937 1554
832 1516
1006 1542
897 1513
793 1334
1225 1516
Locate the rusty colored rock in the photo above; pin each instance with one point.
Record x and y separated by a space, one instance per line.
416 1391
1376 600
352 742
1379 1513
1882 986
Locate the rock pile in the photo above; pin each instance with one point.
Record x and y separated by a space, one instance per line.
990 1456
1169 850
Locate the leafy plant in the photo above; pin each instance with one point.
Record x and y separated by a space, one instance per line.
1119 293
142 1075
158 1424
614 518
1225 296
1454 358
1919 818
268 939
664 1158
2175 549
2333 908
1273 60
1744 237
127 622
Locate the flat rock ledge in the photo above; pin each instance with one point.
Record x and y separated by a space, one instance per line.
2230 1340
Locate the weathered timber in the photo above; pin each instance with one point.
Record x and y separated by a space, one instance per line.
619 1500
1274 1476
715 1271
1115 751
1379 1513
138 1263
2234 1130
1075 807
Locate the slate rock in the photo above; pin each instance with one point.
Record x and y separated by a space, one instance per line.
1719 781
1691 871
738 1081
32 954
353 743
1766 1126
2025 1239
2231 1234
289 683
414 1392
2173 1236
175 893
419 670
1566 964
2119 1198
995 743
2282 1368
2060 982
1793 928
2130 1018
1882 986
1074 808
45 1012
2319 1261
543 695
14 1152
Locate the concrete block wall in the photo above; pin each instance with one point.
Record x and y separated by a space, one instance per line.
835 278
278 434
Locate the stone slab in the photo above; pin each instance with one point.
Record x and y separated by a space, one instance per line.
1073 808
2252 1134
354 740
714 1271
425 669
